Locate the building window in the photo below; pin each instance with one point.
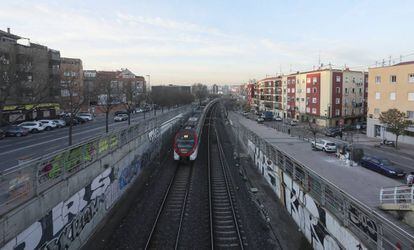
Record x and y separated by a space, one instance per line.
353 90
314 100
308 90
308 109
345 112
313 110
293 90
338 90
360 90
337 112
410 115
392 96
378 79
314 80
338 100
393 79
411 96
315 90
338 78
288 90
377 95
411 78
346 90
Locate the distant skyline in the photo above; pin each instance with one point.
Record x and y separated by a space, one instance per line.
216 42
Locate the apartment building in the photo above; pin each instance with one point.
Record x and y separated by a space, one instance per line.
268 95
30 80
71 83
328 97
390 87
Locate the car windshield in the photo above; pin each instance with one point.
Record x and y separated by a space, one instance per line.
386 162
330 144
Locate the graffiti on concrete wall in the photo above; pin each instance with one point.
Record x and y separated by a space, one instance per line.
64 223
267 166
363 222
127 174
319 226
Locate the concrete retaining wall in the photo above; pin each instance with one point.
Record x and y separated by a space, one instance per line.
319 226
67 214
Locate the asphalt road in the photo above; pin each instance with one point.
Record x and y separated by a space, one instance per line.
402 161
13 149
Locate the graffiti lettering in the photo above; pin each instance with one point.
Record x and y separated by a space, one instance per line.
72 230
363 222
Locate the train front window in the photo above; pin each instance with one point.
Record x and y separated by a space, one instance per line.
185 143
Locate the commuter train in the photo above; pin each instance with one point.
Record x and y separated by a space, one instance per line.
187 139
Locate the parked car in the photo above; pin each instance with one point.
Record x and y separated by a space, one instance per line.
33 127
121 117
48 124
60 123
2 134
260 120
278 119
332 132
86 116
16 131
267 115
382 166
324 145
293 122
245 113
74 122
121 112
82 119
139 110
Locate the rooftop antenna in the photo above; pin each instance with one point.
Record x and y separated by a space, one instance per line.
319 58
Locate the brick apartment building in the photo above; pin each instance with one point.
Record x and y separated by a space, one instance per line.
328 97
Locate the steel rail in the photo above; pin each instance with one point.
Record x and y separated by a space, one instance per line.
224 166
162 207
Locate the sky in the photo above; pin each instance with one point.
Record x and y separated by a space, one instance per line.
216 41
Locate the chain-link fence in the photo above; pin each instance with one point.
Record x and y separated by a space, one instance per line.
26 180
373 229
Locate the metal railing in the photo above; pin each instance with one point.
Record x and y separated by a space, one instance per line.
397 195
24 181
373 229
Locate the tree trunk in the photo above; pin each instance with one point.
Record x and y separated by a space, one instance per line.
129 117
396 141
70 130
106 121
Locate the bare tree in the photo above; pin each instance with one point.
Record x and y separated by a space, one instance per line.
132 98
314 130
107 96
72 99
200 91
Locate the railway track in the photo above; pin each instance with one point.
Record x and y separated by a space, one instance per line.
226 229
166 230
